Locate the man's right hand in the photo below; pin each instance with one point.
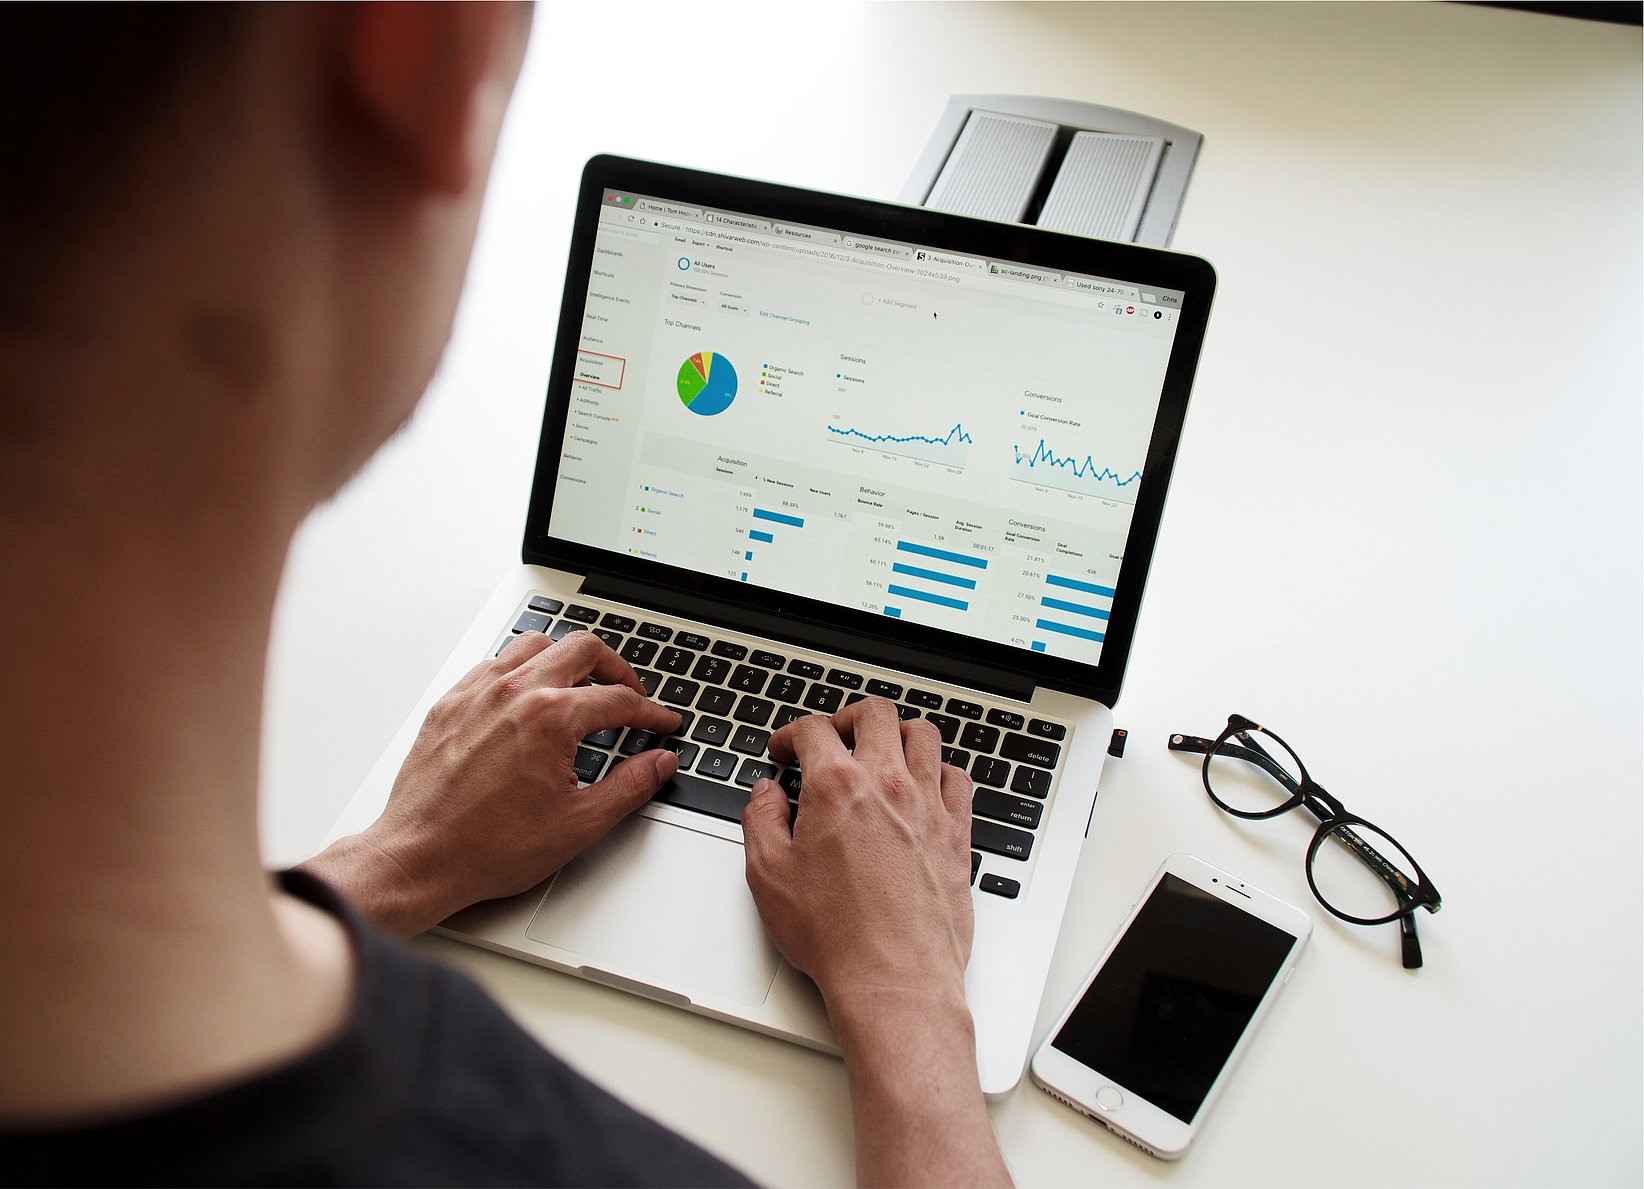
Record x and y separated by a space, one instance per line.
870 890
869 894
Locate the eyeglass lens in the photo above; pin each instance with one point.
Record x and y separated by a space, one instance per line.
1358 871
1253 772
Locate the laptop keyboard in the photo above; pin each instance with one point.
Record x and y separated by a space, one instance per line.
732 696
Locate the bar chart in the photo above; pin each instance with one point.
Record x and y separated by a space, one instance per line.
933 576
1076 608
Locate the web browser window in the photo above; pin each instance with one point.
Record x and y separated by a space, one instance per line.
942 439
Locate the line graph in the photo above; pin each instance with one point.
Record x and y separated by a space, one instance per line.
1045 467
950 449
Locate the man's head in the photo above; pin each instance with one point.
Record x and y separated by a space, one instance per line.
233 237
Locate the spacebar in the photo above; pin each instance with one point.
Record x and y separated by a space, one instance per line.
704 796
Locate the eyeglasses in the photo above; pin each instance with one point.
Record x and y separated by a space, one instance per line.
1357 870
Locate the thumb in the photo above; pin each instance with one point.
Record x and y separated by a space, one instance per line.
632 783
766 837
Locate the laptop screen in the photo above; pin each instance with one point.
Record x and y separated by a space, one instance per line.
950 438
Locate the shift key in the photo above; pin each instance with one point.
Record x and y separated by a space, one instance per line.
1000 840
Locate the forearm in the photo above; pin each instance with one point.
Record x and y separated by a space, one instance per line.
382 886
915 1095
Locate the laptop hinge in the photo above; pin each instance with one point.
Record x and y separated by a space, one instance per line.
951 670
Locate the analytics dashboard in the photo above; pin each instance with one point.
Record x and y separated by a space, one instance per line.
949 440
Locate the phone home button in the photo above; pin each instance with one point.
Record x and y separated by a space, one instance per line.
1109 1099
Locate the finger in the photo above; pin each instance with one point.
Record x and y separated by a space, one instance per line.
515 652
956 795
871 729
766 836
579 656
591 708
922 747
629 785
808 740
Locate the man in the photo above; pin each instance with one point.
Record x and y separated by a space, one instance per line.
233 240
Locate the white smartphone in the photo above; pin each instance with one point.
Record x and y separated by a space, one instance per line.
1148 1042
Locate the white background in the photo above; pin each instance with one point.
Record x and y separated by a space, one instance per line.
1405 532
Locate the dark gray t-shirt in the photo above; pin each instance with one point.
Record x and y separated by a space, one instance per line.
430 1084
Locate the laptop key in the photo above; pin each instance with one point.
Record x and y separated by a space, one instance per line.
546 605
716 701
806 669
506 641
531 621
756 711
989 771
959 759
906 712
565 627
729 650
617 623
639 740
686 718
975 862
979 738
1046 730
963 708
748 679
884 689
1000 840
678 691
605 738
784 688
853 699
1030 782
947 727
824 699
588 764
789 780
718 763
766 660
750 740
581 614
612 639
1000 886
924 699
753 771
655 631
695 641
674 660
705 796
684 749
1008 719
715 732
1038 752
787 714
711 668
649 679
845 679
639 652
1002 807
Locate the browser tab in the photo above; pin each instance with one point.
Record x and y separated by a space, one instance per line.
947 259
1163 297
810 235
879 246
742 222
1106 288
655 207
1020 272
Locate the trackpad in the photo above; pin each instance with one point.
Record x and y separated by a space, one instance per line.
666 905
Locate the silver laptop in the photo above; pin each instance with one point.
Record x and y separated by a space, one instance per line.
802 449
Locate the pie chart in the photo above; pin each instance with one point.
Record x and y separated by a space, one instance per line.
707 383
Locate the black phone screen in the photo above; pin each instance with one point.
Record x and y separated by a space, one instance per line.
1173 998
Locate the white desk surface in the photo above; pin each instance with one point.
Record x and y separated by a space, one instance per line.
1405 529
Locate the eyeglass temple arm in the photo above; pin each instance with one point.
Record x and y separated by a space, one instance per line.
1410 944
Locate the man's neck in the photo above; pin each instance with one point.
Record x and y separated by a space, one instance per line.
145 955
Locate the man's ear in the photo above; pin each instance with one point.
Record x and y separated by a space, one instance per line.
416 73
